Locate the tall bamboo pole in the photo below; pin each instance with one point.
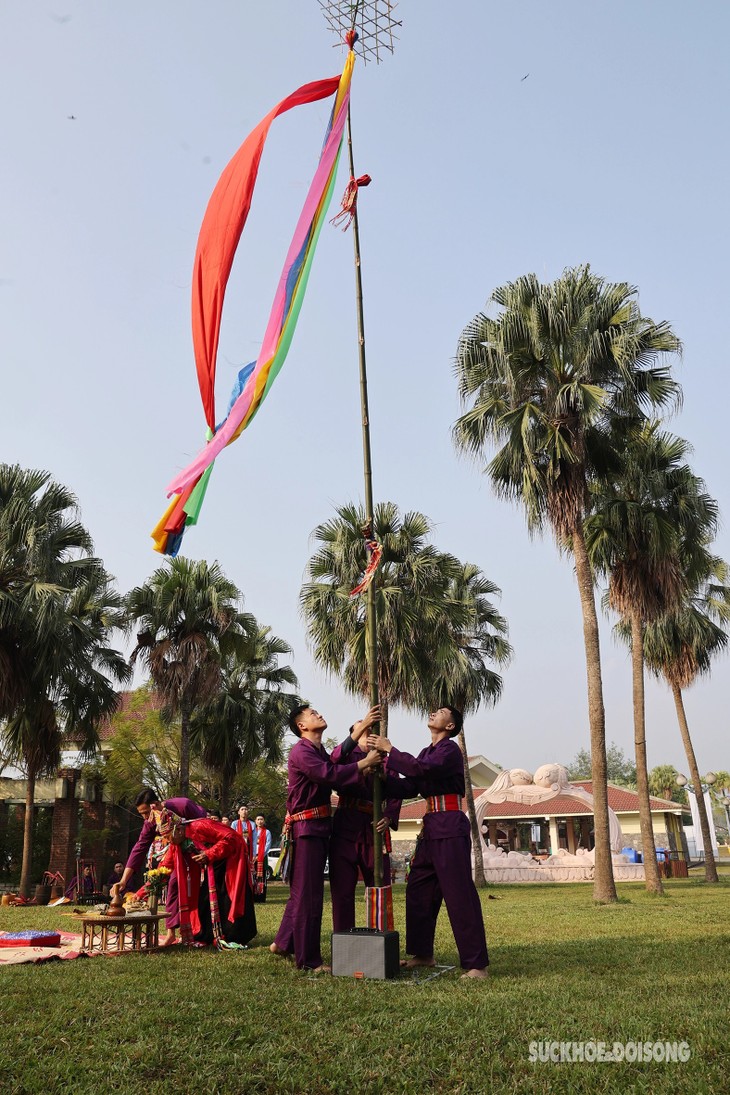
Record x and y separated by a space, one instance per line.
371 621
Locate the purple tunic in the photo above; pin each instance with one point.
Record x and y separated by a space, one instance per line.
87 886
183 807
351 846
441 865
312 776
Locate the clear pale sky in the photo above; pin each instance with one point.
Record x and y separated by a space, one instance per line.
501 139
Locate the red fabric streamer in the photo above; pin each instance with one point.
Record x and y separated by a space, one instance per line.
220 232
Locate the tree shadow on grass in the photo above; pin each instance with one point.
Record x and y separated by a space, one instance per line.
657 958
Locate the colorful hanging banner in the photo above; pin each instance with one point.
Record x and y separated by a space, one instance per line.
220 234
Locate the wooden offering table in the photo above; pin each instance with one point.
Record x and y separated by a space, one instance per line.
120 934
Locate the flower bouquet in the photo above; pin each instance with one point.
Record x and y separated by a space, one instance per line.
155 880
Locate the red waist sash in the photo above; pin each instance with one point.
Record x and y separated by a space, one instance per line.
440 804
308 815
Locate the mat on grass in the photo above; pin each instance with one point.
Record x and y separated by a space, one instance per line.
70 948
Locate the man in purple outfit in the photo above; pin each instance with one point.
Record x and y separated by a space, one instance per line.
114 877
312 776
149 808
79 886
441 865
352 843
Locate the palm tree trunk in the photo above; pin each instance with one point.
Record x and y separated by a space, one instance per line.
648 847
476 840
710 865
28 835
184 749
225 791
604 887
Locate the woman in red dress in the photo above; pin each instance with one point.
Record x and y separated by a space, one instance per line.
214 878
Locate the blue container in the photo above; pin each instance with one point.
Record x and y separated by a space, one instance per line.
631 854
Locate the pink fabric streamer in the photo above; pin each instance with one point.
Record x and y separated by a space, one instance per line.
273 329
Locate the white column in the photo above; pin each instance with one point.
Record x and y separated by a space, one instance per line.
554 838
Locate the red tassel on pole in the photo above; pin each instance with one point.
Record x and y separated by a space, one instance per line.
349 202
375 551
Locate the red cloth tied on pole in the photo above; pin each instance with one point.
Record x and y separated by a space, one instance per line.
379 902
375 551
346 214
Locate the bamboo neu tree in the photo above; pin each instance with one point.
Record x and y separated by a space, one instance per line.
437 628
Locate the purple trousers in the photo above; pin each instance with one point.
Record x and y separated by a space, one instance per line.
346 856
441 870
172 903
301 925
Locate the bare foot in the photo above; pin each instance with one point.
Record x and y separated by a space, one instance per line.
413 963
168 940
322 969
480 974
275 949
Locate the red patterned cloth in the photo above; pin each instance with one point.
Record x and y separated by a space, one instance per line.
308 815
259 866
443 804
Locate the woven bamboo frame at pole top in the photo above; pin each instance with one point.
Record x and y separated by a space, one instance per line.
372 19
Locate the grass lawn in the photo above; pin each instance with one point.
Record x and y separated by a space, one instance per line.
563 969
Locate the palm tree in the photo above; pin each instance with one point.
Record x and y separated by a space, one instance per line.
543 381
649 519
42 543
663 781
245 720
58 608
189 622
33 742
72 694
410 585
472 634
680 647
